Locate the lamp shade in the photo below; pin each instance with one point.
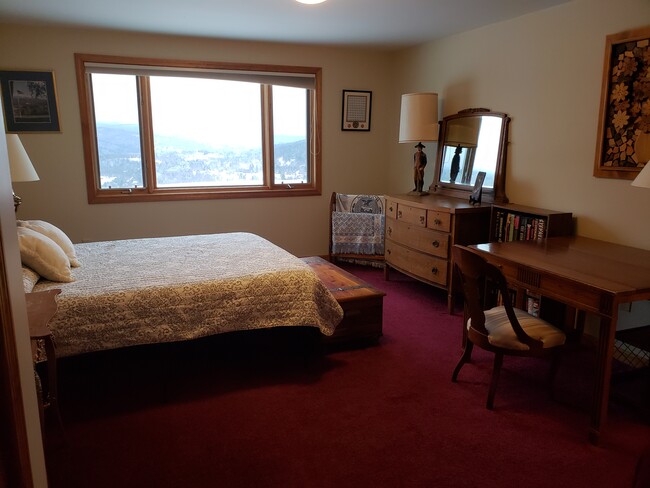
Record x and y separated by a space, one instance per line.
643 178
418 121
463 131
20 166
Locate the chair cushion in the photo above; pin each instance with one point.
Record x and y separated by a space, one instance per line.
501 333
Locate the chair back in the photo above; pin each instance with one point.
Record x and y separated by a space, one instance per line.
474 271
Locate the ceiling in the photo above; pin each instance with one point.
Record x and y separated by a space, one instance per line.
377 23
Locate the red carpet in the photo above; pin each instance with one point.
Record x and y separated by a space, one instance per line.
267 409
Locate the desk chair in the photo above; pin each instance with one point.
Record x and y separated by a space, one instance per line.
503 330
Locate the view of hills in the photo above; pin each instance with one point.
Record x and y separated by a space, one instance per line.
191 163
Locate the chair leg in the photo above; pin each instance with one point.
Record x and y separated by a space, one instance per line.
465 358
555 360
496 369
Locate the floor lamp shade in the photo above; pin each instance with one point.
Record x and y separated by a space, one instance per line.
643 178
418 120
20 166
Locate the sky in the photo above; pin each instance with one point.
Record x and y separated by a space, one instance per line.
215 112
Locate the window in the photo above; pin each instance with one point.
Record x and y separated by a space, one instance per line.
172 130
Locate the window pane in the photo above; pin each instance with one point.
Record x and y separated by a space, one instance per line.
115 99
206 132
290 135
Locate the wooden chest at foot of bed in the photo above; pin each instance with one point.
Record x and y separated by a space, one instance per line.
362 303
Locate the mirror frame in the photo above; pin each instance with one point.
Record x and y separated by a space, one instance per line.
497 194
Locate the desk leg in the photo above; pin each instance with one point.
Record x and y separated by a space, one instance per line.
600 404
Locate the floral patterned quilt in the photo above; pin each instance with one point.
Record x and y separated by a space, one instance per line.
142 291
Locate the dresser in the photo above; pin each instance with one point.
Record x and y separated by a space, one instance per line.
420 231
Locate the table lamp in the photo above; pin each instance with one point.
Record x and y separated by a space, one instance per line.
462 134
418 123
20 166
643 178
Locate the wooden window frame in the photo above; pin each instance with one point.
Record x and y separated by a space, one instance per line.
149 192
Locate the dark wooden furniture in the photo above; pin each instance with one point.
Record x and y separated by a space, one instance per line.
503 330
362 303
421 230
591 275
41 307
528 223
461 134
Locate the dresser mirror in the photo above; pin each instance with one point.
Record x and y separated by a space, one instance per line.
472 141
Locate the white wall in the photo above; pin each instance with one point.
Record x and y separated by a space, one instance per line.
353 162
545 71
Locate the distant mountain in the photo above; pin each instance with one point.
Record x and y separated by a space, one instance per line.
184 160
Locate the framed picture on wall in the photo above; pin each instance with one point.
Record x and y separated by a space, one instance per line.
29 101
357 105
623 146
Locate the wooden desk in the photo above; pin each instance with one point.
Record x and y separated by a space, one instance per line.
592 276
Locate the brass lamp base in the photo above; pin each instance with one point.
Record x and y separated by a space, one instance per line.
17 202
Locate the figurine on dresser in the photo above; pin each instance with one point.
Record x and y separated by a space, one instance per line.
419 163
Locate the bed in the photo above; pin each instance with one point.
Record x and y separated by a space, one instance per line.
143 291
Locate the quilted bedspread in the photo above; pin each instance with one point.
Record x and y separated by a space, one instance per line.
142 291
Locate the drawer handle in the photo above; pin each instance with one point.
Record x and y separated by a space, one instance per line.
399 214
435 243
390 208
437 222
434 270
387 251
390 231
422 219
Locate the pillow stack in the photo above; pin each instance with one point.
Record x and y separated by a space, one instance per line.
47 250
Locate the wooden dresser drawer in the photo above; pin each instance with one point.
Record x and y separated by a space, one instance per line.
425 240
439 220
412 215
391 208
424 266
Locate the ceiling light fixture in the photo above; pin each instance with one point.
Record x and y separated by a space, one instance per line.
310 2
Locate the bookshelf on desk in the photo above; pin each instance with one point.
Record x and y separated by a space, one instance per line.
513 222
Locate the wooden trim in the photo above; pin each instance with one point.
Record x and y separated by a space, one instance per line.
150 192
15 460
600 171
14 468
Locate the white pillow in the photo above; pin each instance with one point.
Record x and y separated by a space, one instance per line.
54 233
43 255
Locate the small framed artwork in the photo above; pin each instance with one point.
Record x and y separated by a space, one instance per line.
623 146
29 101
357 105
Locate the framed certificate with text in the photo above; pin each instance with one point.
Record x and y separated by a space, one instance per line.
356 110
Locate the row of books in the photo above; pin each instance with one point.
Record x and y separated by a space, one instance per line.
518 227
532 302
